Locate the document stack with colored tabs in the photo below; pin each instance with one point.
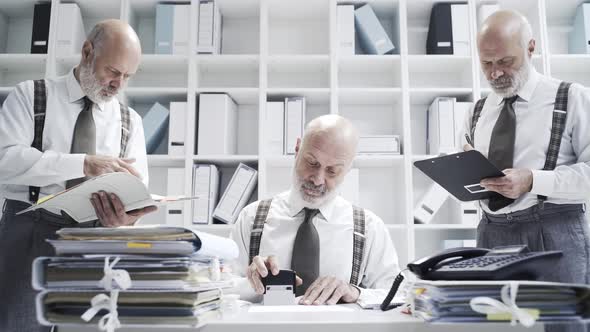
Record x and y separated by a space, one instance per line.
133 276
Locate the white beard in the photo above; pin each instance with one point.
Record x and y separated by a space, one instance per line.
91 86
311 202
506 87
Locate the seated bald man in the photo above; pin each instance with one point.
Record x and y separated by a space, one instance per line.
339 251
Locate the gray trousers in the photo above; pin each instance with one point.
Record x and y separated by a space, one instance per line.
22 239
555 227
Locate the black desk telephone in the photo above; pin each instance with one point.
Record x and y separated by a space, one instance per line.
500 263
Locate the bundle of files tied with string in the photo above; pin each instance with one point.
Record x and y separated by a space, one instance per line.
133 276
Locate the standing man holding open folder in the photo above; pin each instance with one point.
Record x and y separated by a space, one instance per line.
55 133
339 251
536 129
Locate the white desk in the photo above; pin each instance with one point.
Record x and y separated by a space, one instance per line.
355 321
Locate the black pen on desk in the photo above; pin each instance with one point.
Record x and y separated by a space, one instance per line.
469 140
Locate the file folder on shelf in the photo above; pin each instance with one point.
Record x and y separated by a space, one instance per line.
155 123
446 31
579 37
210 25
346 29
434 198
70 30
180 34
441 126
294 122
164 28
206 186
218 120
274 127
459 24
176 129
174 210
372 37
379 144
237 194
40 34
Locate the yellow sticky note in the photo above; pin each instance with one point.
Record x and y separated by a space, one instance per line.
43 199
419 291
139 245
506 316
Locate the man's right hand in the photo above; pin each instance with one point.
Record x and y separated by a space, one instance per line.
99 165
259 269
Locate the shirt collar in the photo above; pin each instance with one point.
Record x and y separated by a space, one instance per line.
296 205
526 92
75 92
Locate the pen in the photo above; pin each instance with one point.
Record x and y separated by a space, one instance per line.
469 140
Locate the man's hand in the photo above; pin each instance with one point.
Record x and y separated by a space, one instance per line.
329 290
111 213
99 165
513 185
259 269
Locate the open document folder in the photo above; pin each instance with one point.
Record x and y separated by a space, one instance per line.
76 200
152 240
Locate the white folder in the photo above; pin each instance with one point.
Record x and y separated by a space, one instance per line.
434 198
236 194
460 22
70 30
176 132
180 34
174 210
346 29
217 133
206 185
441 126
209 34
294 122
273 127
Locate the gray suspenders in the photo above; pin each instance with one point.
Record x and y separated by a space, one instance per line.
557 128
358 237
39 107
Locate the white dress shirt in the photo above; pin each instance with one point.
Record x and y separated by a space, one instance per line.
22 166
570 181
335 227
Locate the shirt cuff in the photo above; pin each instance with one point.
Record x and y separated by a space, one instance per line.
543 182
362 292
71 164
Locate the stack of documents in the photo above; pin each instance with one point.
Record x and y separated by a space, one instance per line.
155 275
451 301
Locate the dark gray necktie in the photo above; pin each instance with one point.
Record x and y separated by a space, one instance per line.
84 139
305 260
501 152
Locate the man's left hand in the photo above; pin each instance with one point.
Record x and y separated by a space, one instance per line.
111 212
329 290
516 182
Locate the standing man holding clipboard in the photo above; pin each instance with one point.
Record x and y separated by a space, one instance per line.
536 129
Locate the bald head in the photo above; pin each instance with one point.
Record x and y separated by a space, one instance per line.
335 130
110 56
505 26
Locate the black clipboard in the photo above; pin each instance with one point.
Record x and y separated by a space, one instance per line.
460 174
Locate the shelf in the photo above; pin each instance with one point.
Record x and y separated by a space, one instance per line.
571 67
425 96
228 71
15 68
312 95
451 71
369 96
225 160
299 71
146 94
155 160
381 71
242 96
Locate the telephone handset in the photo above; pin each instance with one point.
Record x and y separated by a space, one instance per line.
501 263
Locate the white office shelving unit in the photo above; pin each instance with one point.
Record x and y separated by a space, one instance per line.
278 48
